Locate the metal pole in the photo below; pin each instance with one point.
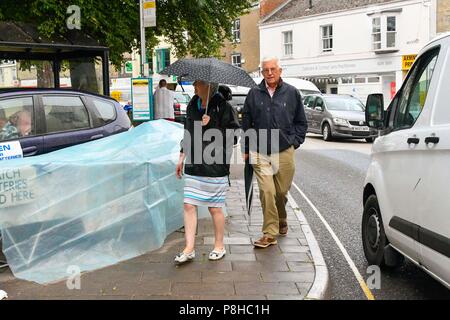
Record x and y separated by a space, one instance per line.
142 28
105 60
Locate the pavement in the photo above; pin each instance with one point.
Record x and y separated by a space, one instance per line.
292 270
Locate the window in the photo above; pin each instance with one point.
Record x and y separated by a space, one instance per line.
373 79
384 32
360 80
65 113
236 30
309 102
327 38
414 93
376 33
104 111
16 118
236 60
288 45
391 32
319 103
162 59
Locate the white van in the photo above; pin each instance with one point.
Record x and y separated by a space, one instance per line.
407 188
305 87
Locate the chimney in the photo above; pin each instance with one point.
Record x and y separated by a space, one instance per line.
266 7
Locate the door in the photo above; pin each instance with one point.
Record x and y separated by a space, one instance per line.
67 122
18 123
309 108
434 234
318 114
402 157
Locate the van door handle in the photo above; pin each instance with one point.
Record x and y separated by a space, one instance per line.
413 140
97 136
30 151
433 140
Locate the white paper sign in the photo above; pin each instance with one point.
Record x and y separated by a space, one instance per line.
10 150
149 13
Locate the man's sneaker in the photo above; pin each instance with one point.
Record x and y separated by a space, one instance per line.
283 228
184 257
265 241
217 255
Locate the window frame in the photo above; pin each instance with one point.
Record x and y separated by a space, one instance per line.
285 44
236 30
383 32
235 55
35 118
398 97
84 103
328 38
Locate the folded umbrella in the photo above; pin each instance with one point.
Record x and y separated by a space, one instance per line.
248 182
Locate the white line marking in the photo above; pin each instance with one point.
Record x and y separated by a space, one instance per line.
352 265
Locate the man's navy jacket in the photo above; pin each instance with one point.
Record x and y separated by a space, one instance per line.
283 111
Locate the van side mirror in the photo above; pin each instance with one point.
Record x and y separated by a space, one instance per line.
375 111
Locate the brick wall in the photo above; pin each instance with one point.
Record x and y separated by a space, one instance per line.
443 16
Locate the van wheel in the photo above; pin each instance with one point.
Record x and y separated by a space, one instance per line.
373 235
326 132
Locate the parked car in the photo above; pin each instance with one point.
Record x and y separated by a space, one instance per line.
406 194
181 101
337 116
45 120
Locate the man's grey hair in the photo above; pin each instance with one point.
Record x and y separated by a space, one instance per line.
270 58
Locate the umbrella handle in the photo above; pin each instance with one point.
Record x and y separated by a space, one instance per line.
207 98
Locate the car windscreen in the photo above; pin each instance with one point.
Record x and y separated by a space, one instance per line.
344 104
304 92
238 100
182 97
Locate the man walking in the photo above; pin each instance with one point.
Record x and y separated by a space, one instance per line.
164 102
274 110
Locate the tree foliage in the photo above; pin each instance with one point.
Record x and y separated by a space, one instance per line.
115 23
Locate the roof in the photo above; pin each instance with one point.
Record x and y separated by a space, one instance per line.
294 9
23 41
4 92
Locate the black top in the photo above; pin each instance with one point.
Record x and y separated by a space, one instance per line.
210 158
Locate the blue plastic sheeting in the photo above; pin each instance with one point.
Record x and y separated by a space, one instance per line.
91 205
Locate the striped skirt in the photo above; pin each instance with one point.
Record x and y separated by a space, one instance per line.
205 191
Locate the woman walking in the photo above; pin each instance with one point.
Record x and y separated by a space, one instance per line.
206 178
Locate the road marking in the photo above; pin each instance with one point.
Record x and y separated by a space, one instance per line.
352 265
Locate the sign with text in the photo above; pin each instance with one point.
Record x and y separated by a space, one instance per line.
149 13
10 150
141 95
407 61
16 187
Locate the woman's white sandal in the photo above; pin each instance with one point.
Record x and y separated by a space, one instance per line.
184 257
217 255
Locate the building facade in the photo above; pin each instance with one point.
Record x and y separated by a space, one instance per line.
443 16
243 51
352 47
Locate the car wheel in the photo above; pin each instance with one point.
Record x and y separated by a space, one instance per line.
326 132
373 235
370 140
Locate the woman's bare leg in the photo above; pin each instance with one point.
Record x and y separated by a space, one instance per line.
219 227
190 226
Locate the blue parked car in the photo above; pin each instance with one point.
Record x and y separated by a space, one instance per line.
45 120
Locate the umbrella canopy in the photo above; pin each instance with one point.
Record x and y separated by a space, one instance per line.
209 70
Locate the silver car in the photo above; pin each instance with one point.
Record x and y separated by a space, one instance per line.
337 116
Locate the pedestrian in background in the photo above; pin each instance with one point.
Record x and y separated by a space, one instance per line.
273 106
163 102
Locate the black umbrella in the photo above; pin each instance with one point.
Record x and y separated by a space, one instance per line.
209 70
248 181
